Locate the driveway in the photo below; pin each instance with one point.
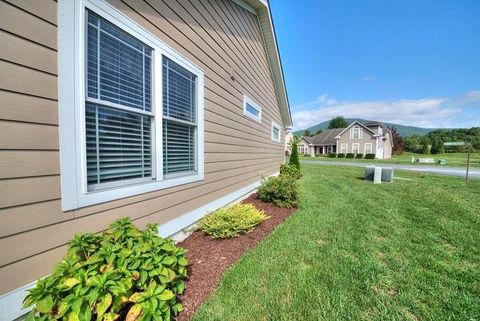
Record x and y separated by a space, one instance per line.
449 171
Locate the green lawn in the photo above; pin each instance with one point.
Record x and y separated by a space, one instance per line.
357 251
453 159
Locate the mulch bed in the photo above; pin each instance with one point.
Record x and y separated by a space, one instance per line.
209 258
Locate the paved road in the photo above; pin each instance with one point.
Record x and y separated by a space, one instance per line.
450 171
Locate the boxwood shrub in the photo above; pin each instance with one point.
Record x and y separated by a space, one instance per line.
232 221
290 170
120 274
359 156
370 156
282 191
350 155
332 155
341 155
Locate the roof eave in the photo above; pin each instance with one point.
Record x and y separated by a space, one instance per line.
271 46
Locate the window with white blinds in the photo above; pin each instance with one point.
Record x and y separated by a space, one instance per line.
252 110
179 119
131 108
118 114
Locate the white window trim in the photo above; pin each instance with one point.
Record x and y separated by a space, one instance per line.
365 148
346 148
360 132
358 148
275 125
246 100
71 100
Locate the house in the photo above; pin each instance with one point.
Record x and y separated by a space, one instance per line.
157 110
357 138
288 142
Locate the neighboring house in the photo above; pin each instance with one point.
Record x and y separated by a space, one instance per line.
158 110
357 138
288 143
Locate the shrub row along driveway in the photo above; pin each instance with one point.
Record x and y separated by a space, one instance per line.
358 251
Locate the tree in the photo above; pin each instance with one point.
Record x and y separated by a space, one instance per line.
319 132
437 146
294 156
425 146
338 122
307 133
397 140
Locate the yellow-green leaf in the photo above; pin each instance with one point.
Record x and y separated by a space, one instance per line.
166 295
71 282
62 309
45 305
103 305
136 297
110 316
182 261
169 260
134 313
72 316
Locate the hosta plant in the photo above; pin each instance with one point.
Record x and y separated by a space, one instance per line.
121 274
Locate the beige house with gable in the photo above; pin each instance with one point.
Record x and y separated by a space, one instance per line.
357 138
158 110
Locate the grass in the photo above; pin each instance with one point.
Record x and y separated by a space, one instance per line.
453 159
357 251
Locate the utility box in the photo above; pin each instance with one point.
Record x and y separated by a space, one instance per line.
387 174
377 177
369 173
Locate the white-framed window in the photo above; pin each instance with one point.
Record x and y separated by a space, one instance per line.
131 108
356 148
276 132
251 109
368 148
343 148
356 132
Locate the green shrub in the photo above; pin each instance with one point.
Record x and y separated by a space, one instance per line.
294 156
332 155
341 155
283 191
350 155
290 170
359 156
121 274
307 155
369 156
232 221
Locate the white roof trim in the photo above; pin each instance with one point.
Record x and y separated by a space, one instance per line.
270 41
358 123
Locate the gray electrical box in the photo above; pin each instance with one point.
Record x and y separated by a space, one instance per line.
369 173
387 174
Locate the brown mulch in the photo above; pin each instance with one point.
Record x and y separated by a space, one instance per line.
209 258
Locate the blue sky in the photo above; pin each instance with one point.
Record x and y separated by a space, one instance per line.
413 62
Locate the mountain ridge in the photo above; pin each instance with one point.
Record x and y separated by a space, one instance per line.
403 130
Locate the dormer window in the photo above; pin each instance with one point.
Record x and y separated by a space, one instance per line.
356 132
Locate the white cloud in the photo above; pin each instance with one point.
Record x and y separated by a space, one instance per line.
426 112
369 78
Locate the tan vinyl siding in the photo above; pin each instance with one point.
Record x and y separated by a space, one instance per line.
219 36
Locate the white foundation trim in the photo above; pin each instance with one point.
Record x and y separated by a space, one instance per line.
11 302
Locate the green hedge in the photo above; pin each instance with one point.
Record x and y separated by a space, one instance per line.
290 170
341 155
370 156
120 274
350 155
283 191
332 155
359 156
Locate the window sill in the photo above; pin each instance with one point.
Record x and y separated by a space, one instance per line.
102 196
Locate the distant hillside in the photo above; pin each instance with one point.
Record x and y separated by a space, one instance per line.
404 131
